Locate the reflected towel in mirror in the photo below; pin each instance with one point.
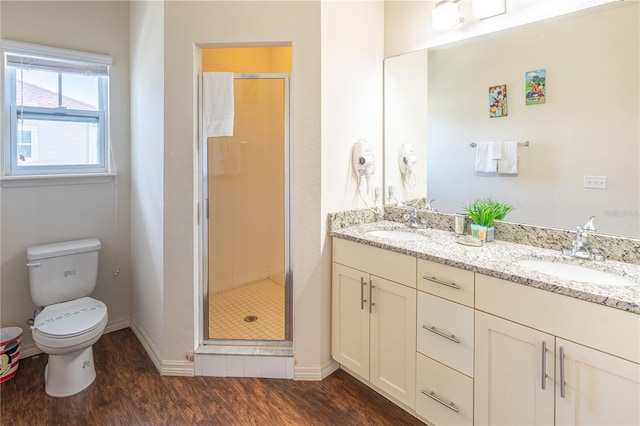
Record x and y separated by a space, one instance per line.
487 154
508 163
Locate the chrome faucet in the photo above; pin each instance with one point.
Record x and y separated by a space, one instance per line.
412 220
580 248
428 206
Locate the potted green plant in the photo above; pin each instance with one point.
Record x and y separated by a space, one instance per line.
483 212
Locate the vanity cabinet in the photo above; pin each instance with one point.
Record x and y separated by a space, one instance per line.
455 347
537 370
373 329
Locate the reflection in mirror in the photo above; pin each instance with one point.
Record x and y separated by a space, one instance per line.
405 127
588 126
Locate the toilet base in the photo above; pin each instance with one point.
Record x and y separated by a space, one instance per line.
68 374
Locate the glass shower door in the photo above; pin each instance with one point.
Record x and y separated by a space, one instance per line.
247 180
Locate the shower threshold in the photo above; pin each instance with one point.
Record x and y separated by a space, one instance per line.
246 347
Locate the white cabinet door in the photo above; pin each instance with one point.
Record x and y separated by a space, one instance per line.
350 319
393 340
509 388
599 389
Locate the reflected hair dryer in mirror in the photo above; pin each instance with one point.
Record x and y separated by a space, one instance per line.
407 161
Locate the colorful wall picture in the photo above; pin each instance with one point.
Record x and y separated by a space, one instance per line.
536 82
498 101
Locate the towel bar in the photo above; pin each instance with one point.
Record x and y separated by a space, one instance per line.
525 143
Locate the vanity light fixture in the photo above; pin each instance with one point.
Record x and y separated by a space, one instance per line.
445 15
482 9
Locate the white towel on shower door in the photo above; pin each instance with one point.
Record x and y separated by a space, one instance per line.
217 103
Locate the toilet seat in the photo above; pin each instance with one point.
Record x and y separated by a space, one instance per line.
74 323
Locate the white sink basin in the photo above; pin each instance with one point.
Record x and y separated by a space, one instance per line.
575 273
398 235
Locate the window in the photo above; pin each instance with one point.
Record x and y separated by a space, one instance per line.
56 110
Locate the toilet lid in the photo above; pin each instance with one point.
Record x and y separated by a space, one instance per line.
70 318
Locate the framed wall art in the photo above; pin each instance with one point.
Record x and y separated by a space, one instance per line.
498 101
535 86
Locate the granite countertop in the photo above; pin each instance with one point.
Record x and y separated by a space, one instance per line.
500 259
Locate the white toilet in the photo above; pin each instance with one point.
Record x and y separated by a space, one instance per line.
61 277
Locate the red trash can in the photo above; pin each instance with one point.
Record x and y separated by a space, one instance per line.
10 338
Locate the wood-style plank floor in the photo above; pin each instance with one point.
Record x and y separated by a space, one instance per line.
129 391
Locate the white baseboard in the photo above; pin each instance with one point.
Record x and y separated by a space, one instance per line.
164 367
117 325
177 368
315 373
29 350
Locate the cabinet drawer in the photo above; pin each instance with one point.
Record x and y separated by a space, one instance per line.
382 263
446 281
443 396
445 332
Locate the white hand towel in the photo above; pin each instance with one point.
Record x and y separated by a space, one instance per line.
486 155
218 103
508 163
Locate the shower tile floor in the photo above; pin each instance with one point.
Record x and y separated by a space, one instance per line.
262 299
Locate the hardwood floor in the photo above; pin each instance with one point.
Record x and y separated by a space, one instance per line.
129 391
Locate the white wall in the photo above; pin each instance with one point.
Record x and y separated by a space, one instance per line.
164 157
355 112
352 43
147 174
189 23
352 40
44 212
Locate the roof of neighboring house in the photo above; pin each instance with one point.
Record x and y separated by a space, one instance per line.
40 97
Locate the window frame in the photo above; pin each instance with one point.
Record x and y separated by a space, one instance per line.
64 61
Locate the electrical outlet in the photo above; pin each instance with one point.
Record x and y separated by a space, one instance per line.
596 182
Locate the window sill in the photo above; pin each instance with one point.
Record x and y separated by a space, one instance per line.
54 180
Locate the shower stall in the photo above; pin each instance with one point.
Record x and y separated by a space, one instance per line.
246 209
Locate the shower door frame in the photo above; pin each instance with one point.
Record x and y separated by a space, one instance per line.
270 347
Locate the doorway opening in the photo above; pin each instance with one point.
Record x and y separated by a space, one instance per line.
246 190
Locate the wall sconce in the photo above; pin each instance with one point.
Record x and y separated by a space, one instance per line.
482 9
445 15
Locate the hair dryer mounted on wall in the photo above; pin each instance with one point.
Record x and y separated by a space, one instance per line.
363 162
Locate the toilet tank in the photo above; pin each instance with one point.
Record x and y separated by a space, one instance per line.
63 271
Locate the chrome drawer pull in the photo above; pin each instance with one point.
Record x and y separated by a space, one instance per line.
362 299
440 333
432 395
437 281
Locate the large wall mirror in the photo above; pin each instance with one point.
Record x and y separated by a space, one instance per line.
437 101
